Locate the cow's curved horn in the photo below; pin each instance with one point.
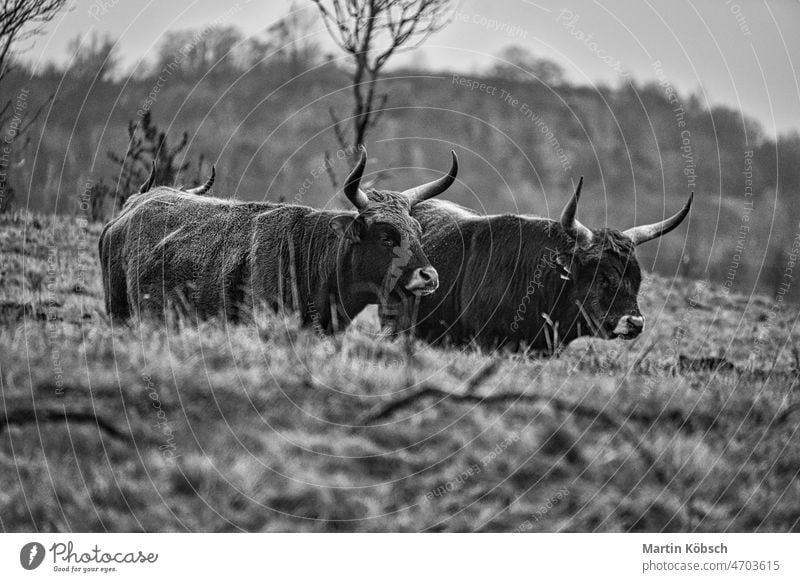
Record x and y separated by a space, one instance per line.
352 189
572 226
150 180
434 188
644 233
207 186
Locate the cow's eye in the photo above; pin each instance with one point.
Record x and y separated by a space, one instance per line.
387 242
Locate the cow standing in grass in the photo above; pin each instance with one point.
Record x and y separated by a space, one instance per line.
526 282
208 256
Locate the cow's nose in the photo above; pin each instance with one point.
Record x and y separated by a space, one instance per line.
636 322
629 326
424 280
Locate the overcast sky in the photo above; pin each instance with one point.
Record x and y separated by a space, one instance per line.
743 53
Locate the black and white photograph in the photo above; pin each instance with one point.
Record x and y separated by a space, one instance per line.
400 267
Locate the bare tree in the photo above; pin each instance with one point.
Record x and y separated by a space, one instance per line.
20 20
147 145
371 31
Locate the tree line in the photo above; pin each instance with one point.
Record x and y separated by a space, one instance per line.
270 112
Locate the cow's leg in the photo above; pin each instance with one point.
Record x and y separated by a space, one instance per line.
117 297
115 288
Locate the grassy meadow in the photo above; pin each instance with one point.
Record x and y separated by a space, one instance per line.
268 427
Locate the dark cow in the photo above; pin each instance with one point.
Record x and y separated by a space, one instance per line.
208 256
527 282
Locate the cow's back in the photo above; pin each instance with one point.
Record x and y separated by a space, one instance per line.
174 248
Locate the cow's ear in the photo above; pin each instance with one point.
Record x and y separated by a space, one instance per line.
347 226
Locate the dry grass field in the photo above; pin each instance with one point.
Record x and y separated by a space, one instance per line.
268 427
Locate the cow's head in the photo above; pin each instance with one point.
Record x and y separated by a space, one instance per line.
385 250
604 271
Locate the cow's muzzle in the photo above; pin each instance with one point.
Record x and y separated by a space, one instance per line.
423 281
629 326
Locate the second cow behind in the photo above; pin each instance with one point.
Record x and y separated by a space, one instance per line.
526 282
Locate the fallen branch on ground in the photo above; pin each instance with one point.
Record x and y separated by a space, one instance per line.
694 422
52 412
573 408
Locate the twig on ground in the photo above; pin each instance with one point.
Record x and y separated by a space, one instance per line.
784 416
694 422
644 354
486 371
55 412
606 418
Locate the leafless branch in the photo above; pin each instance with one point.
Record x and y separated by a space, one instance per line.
54 412
371 31
24 128
695 422
337 129
21 20
330 171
